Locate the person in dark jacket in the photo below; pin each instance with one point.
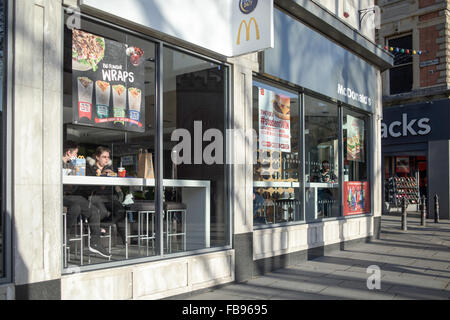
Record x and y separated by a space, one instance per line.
102 196
78 205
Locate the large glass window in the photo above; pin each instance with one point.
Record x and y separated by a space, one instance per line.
321 159
111 150
277 171
108 138
194 124
356 163
2 139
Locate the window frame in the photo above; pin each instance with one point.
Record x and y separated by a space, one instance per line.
370 158
6 179
388 74
326 99
299 93
159 165
302 92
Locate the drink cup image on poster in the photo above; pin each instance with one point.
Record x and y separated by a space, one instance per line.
102 94
85 87
355 139
134 103
120 102
274 121
108 82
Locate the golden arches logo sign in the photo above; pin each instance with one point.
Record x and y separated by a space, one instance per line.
248 27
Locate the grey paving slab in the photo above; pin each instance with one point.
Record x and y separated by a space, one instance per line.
300 287
347 275
264 280
414 265
249 290
304 296
304 284
418 293
357 294
425 283
219 295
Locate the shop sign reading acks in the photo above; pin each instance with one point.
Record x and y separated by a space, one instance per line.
406 127
227 27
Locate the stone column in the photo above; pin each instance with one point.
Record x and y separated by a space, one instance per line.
377 161
37 113
242 156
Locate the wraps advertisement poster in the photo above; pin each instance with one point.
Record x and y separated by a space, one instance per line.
107 83
355 139
274 121
356 198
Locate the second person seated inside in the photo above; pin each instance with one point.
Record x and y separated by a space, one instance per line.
103 196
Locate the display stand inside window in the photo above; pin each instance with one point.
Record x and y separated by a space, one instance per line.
275 180
402 187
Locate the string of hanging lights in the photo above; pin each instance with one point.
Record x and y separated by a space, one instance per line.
404 51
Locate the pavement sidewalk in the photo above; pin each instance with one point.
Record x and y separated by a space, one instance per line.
414 265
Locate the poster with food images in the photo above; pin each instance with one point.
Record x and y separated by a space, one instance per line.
356 197
108 83
355 139
274 121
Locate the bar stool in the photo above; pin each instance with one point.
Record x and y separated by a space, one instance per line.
79 238
144 209
170 208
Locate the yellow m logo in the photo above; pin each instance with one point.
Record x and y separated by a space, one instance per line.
247 29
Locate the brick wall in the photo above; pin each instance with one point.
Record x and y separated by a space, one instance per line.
428 36
426 3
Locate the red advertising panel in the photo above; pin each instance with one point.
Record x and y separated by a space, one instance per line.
356 197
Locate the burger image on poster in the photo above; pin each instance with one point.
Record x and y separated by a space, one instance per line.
282 107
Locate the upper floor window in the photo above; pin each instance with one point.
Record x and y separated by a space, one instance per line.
401 74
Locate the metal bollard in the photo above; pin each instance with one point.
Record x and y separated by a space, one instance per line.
423 212
404 216
436 208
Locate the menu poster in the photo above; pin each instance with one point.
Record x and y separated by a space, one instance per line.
356 198
355 139
274 121
108 83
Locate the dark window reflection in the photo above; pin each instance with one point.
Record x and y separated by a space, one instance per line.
401 75
322 159
194 118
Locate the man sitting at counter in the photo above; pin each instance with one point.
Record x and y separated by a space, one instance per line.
325 174
78 205
325 195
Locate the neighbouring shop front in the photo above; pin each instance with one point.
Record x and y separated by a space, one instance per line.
415 144
167 161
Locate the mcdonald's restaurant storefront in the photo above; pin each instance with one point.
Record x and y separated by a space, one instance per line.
180 147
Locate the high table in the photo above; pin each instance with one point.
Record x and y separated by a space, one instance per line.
196 194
